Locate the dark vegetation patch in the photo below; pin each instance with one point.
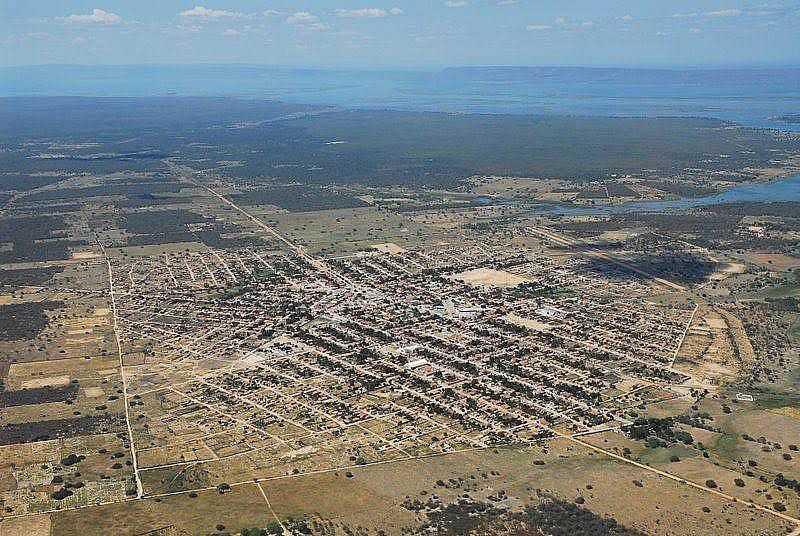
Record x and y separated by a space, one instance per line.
681 189
135 189
378 147
616 189
593 194
701 224
717 227
11 434
209 238
24 321
658 432
299 198
94 157
780 209
47 209
521 145
673 266
161 220
34 239
179 225
29 229
24 182
50 250
151 200
555 517
770 331
39 395
393 146
29 276
551 517
61 494
590 228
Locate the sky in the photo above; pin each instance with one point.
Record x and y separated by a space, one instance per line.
402 34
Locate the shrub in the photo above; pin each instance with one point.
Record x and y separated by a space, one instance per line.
61 494
684 437
254 532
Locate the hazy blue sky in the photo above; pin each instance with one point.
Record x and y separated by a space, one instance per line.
401 33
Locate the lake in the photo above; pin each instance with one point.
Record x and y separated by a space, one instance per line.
751 97
787 189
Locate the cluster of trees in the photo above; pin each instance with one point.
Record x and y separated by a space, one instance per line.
657 431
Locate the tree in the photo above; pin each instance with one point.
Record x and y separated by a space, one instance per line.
273 528
684 437
254 532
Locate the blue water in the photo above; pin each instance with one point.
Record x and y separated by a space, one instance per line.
787 189
752 97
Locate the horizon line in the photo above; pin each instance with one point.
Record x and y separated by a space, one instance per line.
423 68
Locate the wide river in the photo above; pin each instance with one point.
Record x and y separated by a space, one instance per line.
787 189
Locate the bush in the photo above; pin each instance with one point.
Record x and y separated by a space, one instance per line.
274 528
61 494
254 532
739 482
72 459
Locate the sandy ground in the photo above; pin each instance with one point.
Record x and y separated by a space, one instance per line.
26 526
774 261
727 269
93 392
82 255
486 277
52 381
389 247
527 322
